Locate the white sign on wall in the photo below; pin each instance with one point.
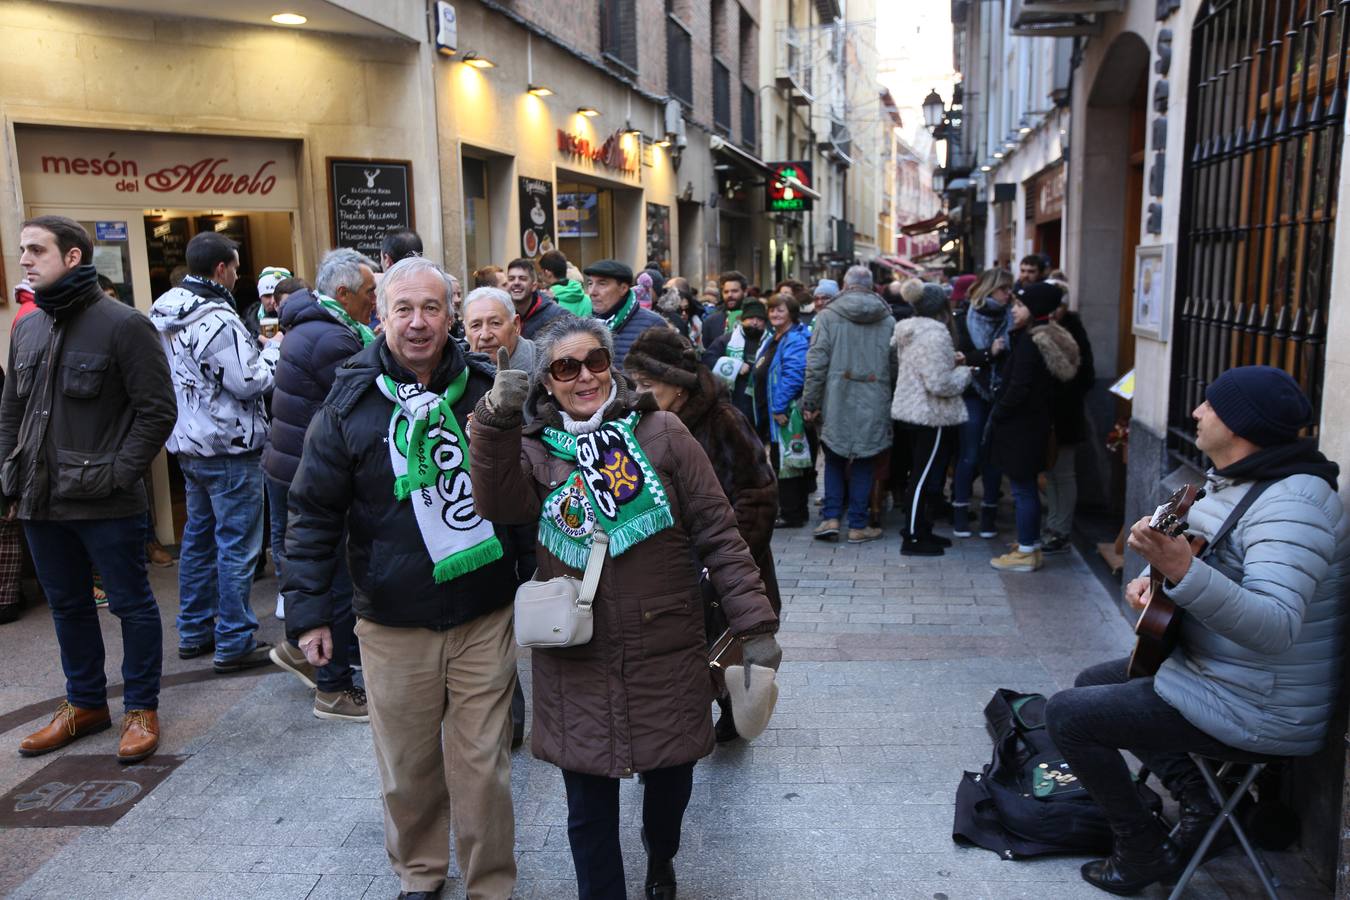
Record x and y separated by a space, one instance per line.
122 168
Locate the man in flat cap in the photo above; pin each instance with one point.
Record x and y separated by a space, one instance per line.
609 284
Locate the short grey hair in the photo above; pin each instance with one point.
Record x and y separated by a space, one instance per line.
404 269
858 276
341 268
489 293
561 328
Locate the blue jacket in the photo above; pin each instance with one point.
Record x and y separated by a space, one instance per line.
787 374
314 346
638 322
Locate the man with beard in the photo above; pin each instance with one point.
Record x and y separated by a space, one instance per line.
733 286
731 356
535 307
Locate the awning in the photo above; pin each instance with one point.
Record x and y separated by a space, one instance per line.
901 263
935 260
925 226
721 145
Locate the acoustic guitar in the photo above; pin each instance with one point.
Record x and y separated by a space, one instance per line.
1159 625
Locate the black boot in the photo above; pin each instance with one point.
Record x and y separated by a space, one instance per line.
920 545
1140 858
1198 810
660 884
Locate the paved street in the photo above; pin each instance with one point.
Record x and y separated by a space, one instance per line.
888 664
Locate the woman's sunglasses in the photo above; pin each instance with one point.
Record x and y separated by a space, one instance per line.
568 369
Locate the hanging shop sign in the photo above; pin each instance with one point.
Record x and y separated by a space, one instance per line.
615 153
781 190
366 198
1049 195
97 168
536 217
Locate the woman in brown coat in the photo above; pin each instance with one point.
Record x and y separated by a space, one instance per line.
666 364
635 698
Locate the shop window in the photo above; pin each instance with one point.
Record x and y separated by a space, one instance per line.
679 61
618 32
749 129
585 220
477 221
1266 119
721 97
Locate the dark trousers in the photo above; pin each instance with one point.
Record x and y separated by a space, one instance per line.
1106 712
930 449
792 492
593 825
65 555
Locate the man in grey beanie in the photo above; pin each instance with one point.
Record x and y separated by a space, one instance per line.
1264 606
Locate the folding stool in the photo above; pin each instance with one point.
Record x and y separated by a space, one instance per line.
1227 805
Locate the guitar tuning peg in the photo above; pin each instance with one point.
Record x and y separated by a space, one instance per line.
1200 494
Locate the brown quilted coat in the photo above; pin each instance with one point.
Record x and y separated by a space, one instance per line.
637 697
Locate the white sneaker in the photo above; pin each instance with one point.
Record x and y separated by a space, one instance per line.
281 607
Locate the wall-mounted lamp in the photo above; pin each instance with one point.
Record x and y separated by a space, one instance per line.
477 61
589 112
540 90
287 18
1024 127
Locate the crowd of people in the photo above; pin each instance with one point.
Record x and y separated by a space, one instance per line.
416 453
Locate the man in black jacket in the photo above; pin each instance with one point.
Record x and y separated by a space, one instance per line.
386 460
88 404
317 341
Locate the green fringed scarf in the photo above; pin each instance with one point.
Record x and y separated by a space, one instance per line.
430 458
620 316
614 487
336 311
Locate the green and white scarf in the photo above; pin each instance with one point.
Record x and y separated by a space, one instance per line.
614 487
430 458
794 454
619 318
728 367
336 311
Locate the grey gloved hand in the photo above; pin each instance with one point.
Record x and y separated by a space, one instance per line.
507 396
760 650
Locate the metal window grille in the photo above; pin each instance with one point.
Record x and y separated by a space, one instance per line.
618 32
721 96
679 61
1263 149
749 131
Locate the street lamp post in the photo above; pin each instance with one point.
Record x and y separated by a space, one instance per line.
933 111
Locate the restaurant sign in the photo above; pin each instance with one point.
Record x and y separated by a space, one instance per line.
612 154
86 167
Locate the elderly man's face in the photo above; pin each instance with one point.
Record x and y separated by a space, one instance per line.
417 321
605 293
488 326
359 303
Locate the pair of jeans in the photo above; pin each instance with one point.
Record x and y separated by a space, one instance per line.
1107 711
593 825
221 541
858 474
930 450
337 675
1026 510
973 457
65 555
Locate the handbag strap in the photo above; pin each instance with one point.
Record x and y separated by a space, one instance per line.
590 581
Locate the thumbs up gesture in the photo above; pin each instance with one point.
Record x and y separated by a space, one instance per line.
507 397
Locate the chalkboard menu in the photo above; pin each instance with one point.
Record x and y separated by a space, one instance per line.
166 246
366 198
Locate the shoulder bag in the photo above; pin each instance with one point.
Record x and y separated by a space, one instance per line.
557 613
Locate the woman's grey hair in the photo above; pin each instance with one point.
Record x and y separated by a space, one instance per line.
403 270
561 328
858 276
489 293
341 268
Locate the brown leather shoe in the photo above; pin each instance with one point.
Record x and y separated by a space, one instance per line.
140 736
157 555
69 724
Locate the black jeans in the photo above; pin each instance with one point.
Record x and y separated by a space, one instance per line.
930 450
792 492
1106 712
593 825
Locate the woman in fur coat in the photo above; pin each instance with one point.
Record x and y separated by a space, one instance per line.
927 405
1040 353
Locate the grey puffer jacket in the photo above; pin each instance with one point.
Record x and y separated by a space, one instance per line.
1258 666
849 374
929 383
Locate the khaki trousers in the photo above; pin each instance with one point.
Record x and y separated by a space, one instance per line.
440 713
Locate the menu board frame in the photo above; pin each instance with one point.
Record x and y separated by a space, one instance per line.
332 165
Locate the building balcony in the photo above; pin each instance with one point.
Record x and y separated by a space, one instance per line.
794 67
1061 18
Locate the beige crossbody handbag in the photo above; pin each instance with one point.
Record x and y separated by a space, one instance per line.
557 612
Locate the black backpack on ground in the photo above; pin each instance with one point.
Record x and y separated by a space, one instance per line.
1027 802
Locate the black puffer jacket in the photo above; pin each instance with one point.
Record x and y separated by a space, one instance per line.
315 345
543 310
345 480
1039 357
1067 407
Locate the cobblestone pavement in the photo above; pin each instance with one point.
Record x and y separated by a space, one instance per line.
888 664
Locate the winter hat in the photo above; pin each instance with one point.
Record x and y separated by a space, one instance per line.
754 309
269 278
1260 403
826 287
931 302
911 290
752 707
663 353
961 286
611 268
1039 297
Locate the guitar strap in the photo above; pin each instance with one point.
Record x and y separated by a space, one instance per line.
1253 493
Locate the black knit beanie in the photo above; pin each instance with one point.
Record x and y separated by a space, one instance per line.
1260 403
1041 297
